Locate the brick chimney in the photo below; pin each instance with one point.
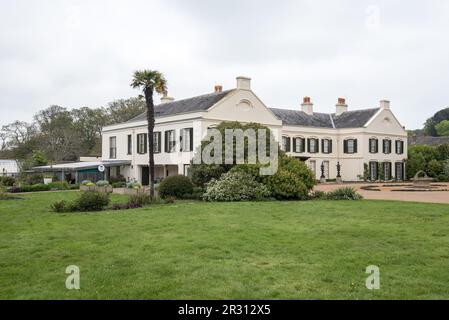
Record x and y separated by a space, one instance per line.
166 99
341 106
307 106
218 88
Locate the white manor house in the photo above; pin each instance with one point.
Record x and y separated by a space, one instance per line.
359 140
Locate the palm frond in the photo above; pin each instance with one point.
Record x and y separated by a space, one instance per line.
149 79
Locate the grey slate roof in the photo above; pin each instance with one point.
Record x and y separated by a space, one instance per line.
199 103
349 119
300 118
354 119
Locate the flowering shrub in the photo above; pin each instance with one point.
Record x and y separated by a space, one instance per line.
293 180
87 183
236 186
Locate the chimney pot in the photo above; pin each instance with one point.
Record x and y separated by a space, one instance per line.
341 106
218 88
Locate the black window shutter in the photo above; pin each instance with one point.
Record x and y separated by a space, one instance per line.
145 143
166 141
355 145
303 145
345 146
322 145
308 145
330 146
294 144
390 145
377 145
289 140
191 139
402 147
317 145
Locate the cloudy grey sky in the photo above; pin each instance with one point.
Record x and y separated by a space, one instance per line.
82 53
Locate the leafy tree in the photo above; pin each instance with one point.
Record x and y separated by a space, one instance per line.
415 163
431 123
125 109
59 137
150 81
39 158
443 128
89 123
443 151
435 168
203 173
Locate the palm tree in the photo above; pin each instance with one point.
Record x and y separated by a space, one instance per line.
150 81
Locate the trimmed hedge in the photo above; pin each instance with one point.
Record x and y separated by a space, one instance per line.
176 186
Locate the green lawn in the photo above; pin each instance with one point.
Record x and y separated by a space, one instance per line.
188 250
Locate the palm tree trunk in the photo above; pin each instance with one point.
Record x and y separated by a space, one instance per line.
150 118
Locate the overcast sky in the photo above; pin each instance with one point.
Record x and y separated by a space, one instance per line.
83 53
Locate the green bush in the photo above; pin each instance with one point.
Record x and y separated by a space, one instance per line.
444 176
119 184
293 180
344 194
175 186
31 188
60 185
139 200
298 169
202 174
91 201
87 183
133 185
7 181
197 194
435 168
35 178
285 185
117 179
75 186
62 207
102 183
236 186
318 195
